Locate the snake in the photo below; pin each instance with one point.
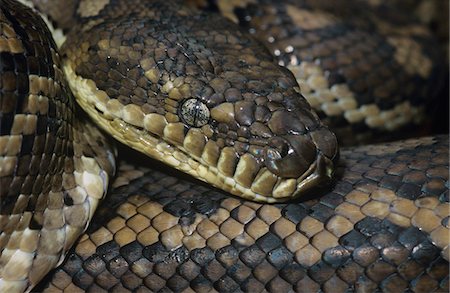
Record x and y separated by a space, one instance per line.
239 108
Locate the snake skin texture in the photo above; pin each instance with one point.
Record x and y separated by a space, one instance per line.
365 73
53 169
383 227
199 93
195 99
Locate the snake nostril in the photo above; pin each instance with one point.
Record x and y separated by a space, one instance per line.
285 150
289 156
276 157
278 149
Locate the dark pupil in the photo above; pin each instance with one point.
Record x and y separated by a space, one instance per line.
197 113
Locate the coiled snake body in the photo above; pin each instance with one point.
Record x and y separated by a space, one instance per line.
196 92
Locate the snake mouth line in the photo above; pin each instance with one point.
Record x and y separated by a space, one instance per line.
192 152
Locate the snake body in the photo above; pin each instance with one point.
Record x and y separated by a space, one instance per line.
196 92
383 227
54 169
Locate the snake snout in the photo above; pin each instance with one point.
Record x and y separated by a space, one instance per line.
289 156
298 142
301 149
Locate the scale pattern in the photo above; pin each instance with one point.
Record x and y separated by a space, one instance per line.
53 169
135 66
367 72
383 226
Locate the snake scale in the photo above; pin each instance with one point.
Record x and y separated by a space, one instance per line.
249 110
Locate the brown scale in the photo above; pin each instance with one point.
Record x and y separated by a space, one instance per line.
378 229
31 100
158 55
360 15
374 230
42 149
352 46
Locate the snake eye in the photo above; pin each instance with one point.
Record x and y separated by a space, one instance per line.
194 113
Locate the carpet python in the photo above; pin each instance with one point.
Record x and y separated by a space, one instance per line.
246 101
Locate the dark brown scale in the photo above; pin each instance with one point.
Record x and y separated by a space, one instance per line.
245 113
41 148
219 64
349 51
376 255
15 96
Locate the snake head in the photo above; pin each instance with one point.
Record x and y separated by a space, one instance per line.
201 95
267 147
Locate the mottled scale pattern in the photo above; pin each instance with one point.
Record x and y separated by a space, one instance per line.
432 13
53 169
135 67
367 72
383 227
